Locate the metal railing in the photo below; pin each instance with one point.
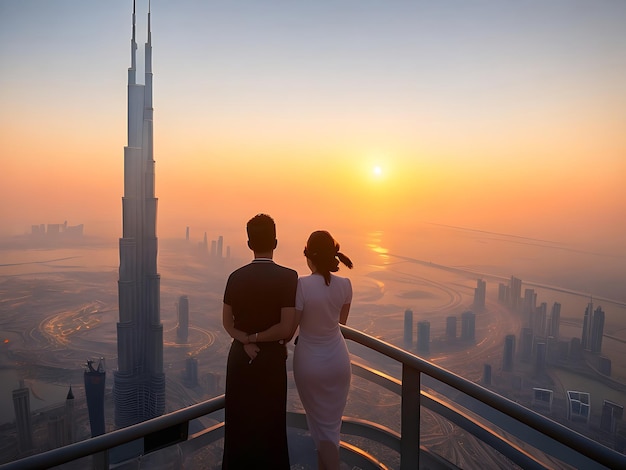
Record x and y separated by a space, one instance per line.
555 439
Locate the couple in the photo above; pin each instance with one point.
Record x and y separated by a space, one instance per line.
264 303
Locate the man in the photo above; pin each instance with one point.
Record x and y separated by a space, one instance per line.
258 313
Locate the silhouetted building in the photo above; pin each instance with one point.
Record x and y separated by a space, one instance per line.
95 378
451 327
555 320
529 305
408 326
70 418
515 293
597 331
504 293
611 417
23 422
526 346
187 234
542 399
480 294
182 331
220 246
191 372
486 374
575 349
213 248
540 358
509 352
539 318
139 382
585 339
578 406
468 326
56 430
423 336
604 365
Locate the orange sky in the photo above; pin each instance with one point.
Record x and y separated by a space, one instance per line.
515 126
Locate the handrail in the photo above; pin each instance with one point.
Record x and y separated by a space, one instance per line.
413 366
556 431
115 438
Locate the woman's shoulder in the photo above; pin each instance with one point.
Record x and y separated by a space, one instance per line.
344 281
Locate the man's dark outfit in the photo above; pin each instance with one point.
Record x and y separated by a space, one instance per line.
256 391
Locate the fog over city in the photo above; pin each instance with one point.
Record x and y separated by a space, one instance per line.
441 145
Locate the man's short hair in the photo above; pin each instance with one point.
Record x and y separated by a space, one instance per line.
261 233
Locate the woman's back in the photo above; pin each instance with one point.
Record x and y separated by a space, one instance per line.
321 304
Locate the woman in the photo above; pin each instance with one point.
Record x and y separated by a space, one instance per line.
321 364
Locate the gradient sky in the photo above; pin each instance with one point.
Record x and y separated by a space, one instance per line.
494 115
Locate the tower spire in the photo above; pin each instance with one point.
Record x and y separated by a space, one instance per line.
149 31
133 51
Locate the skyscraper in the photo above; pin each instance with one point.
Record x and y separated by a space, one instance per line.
468 326
515 295
21 404
480 294
585 340
95 378
70 424
597 330
139 382
182 331
555 320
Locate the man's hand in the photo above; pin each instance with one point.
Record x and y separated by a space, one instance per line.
251 350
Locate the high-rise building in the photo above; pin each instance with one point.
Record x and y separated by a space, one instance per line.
480 294
509 352
451 327
585 341
139 381
56 430
70 424
612 414
540 357
21 405
555 320
182 331
526 345
408 326
539 319
95 378
468 326
191 372
503 293
423 336
515 294
528 308
220 246
597 331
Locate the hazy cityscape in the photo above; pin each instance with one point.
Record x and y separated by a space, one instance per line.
111 287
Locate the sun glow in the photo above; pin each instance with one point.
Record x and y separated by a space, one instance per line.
377 170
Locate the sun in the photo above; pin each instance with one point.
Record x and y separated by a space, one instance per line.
377 170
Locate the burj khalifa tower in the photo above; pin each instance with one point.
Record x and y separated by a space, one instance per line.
139 382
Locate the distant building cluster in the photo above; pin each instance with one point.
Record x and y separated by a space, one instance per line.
60 425
468 330
541 344
57 231
215 248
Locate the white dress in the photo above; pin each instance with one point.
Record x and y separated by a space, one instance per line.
321 364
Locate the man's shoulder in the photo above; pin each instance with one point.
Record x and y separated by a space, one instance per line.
286 270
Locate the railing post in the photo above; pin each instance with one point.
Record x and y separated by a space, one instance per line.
410 425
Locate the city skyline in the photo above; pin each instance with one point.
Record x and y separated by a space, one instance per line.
504 118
